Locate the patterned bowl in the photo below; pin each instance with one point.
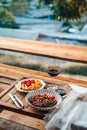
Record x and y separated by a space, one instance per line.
50 92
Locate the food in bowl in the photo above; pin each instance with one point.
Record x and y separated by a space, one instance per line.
30 84
43 100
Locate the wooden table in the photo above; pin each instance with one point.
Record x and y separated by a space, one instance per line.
26 116
25 119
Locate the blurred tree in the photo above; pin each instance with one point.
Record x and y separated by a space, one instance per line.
18 7
6 19
69 9
5 4
48 1
4 1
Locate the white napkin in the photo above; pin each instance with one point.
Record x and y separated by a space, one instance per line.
78 89
73 110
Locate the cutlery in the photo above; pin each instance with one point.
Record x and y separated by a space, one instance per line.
16 101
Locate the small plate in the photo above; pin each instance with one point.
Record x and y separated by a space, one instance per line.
18 85
58 99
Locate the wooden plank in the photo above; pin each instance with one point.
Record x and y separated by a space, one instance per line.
8 88
3 85
10 125
29 111
6 80
9 74
1 89
7 71
28 121
2 128
58 51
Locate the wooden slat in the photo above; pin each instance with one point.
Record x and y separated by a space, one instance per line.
10 125
24 120
7 71
3 85
2 128
6 74
29 111
6 80
1 89
8 88
60 51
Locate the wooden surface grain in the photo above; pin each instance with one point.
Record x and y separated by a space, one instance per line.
17 72
58 51
15 121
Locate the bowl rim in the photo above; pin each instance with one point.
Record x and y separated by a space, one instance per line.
42 91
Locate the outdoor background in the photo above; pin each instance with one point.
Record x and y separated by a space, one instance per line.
48 21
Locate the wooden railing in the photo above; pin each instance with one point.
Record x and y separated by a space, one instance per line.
58 51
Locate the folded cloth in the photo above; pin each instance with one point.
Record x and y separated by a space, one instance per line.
71 113
78 89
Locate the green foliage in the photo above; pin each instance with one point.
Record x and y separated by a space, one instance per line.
4 1
18 7
48 1
27 66
69 9
6 19
78 70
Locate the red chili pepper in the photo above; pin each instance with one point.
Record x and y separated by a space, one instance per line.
52 96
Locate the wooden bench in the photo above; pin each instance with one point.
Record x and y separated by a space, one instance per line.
9 74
